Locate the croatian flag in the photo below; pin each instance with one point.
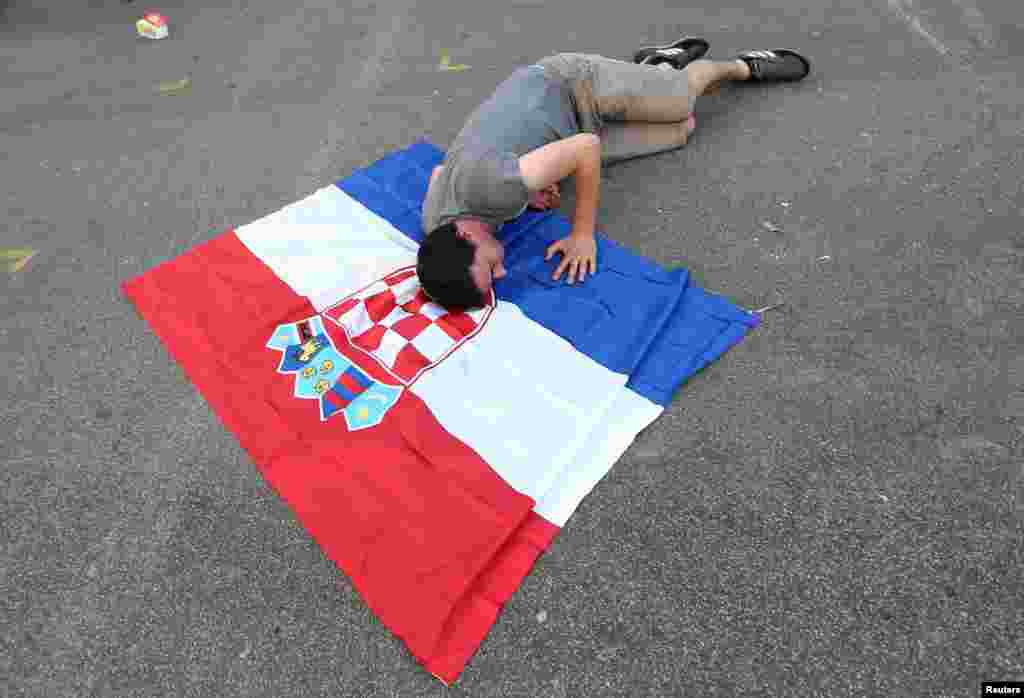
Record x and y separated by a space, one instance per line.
433 455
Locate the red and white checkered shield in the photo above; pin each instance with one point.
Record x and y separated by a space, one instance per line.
394 322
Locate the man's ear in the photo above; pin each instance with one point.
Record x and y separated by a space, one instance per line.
468 233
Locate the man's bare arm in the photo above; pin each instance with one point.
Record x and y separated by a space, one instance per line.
578 155
588 190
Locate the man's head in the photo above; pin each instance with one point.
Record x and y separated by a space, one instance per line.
458 263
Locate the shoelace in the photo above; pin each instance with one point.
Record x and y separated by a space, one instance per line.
766 55
661 53
756 57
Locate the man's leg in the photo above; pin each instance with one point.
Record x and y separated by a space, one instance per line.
638 109
643 109
644 115
706 77
626 92
633 139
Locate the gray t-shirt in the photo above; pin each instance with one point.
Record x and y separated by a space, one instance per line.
480 176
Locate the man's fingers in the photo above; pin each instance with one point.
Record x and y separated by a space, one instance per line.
574 264
574 271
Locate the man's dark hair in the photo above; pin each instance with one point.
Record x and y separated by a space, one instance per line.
442 265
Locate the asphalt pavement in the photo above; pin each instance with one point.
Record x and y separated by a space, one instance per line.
833 509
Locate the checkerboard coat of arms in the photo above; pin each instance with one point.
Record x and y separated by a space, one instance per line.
390 322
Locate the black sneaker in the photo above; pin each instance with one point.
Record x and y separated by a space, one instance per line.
776 65
679 53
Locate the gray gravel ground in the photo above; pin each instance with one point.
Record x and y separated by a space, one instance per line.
835 508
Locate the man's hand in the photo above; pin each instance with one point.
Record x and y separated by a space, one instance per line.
547 198
579 253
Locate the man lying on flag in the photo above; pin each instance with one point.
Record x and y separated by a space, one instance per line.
348 386
566 115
